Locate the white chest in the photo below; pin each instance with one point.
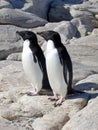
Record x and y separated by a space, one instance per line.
31 68
52 57
55 70
27 56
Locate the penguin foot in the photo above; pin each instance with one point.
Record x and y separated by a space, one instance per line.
59 102
32 93
53 98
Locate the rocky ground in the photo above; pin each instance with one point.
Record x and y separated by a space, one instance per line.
77 22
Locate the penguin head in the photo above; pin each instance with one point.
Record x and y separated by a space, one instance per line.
28 35
51 35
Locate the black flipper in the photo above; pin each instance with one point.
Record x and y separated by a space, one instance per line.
67 64
41 60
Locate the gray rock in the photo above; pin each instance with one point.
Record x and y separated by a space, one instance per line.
5 4
93 9
86 119
84 52
55 119
9 127
28 7
20 18
85 11
8 68
63 10
41 7
91 20
38 7
84 56
26 106
82 27
93 1
73 1
95 32
9 42
96 16
67 30
14 57
68 2
89 84
17 4
79 10
36 106
58 13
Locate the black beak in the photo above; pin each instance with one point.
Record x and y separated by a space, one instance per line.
43 34
19 33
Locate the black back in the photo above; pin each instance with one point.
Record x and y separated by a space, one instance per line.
37 53
63 55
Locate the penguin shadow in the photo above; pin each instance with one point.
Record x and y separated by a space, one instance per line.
89 89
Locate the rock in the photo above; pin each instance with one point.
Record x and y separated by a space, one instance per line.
96 16
79 10
86 12
41 8
9 42
38 7
14 57
26 109
93 9
2 120
58 13
84 56
20 18
83 120
73 1
35 105
67 30
91 82
9 127
20 3
93 1
12 76
82 27
63 10
55 119
5 4
67 2
0 78
28 7
95 32
81 71
90 20
17 4
84 52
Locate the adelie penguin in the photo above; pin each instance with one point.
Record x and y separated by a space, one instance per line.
33 62
58 63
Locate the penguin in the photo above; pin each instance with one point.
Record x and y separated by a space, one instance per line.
58 64
33 62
